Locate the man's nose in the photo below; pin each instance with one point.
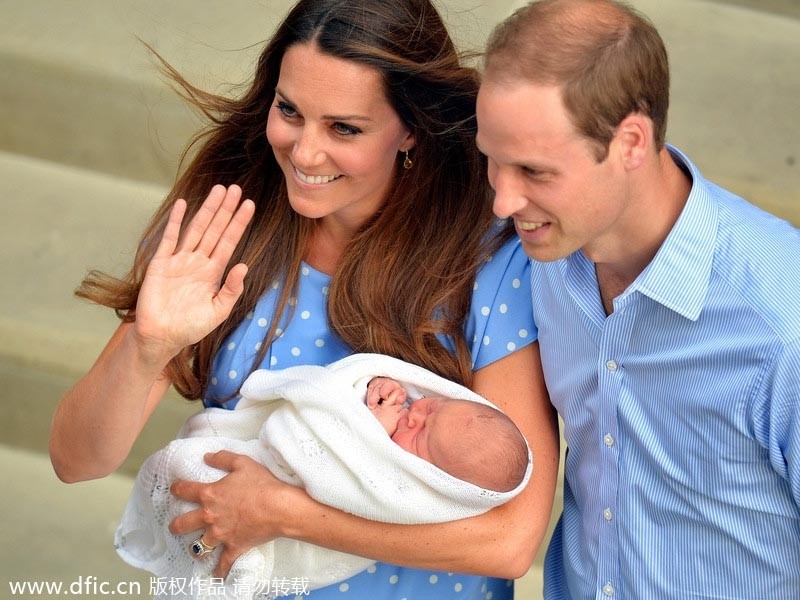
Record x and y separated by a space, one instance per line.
508 193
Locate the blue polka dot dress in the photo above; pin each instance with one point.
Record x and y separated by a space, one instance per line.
500 321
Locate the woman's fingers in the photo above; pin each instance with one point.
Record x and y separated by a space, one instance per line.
235 227
169 239
218 226
199 224
193 520
232 288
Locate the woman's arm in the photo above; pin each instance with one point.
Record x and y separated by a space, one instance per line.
99 419
249 506
180 302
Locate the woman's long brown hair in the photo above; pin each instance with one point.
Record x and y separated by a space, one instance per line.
408 273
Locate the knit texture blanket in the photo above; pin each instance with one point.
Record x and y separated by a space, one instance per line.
310 426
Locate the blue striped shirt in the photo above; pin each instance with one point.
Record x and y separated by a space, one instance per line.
681 412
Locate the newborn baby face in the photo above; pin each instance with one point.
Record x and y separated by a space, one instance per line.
424 428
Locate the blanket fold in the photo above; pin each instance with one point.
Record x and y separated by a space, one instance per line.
310 427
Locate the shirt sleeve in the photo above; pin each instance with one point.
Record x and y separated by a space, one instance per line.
782 396
500 319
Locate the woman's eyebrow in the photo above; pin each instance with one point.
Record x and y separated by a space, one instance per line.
353 117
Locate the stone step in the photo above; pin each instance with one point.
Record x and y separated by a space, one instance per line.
81 89
58 223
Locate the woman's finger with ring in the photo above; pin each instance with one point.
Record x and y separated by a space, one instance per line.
199 548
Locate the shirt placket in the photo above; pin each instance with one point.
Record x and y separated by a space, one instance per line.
610 380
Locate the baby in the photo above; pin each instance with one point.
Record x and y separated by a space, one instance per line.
471 441
315 427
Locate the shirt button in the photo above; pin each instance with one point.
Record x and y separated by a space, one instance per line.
608 589
608 440
607 514
611 365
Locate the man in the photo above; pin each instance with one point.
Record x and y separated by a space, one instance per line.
668 312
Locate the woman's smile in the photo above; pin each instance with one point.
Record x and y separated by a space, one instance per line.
315 179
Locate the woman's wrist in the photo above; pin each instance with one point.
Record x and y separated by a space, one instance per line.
292 510
152 356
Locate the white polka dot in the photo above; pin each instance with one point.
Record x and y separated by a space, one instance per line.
232 374
275 284
305 314
511 346
433 579
372 569
232 345
344 587
393 579
325 290
262 322
483 589
292 301
258 346
213 381
458 587
485 311
273 361
503 308
295 351
489 595
516 283
250 315
523 333
279 332
487 340
305 271
475 287
319 343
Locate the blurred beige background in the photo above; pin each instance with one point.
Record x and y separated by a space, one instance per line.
89 141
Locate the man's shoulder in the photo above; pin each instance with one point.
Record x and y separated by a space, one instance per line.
757 257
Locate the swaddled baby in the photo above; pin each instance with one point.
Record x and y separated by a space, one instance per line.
311 426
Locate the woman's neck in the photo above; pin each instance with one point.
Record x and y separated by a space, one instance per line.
326 248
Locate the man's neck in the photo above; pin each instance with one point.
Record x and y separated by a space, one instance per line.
663 189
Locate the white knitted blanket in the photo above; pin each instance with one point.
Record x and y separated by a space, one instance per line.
310 427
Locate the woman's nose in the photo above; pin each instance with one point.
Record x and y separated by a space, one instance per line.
308 150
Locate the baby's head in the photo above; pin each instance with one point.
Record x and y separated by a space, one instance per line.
469 440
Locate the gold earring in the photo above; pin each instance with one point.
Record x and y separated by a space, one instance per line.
408 163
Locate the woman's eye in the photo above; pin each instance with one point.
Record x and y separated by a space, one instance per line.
343 129
287 110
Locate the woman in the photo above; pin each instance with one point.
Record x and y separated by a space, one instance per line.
370 230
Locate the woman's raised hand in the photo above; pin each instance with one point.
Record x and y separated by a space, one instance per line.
183 297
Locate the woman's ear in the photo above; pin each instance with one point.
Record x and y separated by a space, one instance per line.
408 142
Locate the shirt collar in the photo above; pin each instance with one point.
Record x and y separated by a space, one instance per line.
678 276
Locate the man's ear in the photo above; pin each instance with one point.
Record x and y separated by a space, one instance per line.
633 138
